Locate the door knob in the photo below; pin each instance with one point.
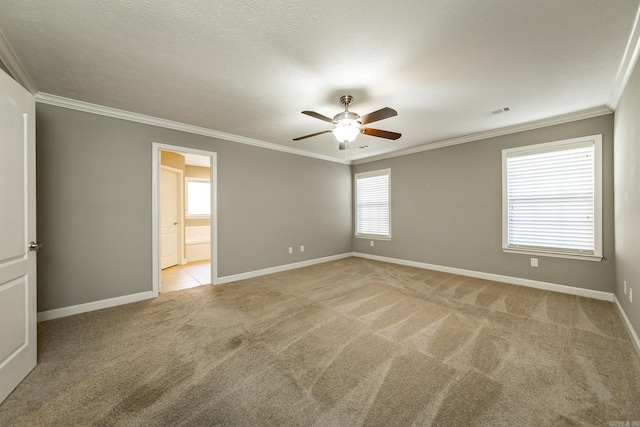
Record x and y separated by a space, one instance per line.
33 246
175 223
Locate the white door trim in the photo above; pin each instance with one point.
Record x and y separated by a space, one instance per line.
155 209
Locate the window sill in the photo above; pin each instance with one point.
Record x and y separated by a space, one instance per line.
596 258
372 237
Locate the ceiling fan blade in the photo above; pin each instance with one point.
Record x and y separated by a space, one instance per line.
310 135
381 133
318 116
342 145
384 113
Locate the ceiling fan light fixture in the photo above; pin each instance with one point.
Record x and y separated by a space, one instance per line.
346 130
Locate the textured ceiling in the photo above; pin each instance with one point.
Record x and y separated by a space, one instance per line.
250 67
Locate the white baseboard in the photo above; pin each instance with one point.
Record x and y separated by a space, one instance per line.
91 306
606 296
126 299
627 323
278 269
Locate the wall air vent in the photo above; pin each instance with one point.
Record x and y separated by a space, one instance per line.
495 112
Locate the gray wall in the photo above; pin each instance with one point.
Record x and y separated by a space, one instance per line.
446 209
94 206
627 197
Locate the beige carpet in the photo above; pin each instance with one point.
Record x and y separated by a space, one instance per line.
351 342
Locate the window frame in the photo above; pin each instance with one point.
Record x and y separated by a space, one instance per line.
380 172
186 197
561 145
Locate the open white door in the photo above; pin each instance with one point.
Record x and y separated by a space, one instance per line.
17 234
170 181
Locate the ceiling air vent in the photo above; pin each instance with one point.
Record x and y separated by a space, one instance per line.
495 112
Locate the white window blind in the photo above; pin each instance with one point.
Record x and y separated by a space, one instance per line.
553 198
372 204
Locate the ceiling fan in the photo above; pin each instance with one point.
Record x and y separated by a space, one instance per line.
348 125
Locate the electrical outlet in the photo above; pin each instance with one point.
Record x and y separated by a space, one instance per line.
290 249
625 286
630 295
534 262
301 248
371 243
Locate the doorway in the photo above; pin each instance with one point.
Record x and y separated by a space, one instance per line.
184 218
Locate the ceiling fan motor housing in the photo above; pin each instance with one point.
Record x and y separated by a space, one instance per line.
346 118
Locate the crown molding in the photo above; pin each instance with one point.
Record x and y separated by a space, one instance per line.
565 118
628 63
87 107
13 64
59 101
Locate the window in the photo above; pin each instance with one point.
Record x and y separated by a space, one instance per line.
372 204
198 197
552 199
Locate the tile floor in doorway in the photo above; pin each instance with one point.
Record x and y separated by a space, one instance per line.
186 276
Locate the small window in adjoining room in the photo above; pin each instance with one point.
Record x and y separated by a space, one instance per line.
373 195
552 199
198 197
